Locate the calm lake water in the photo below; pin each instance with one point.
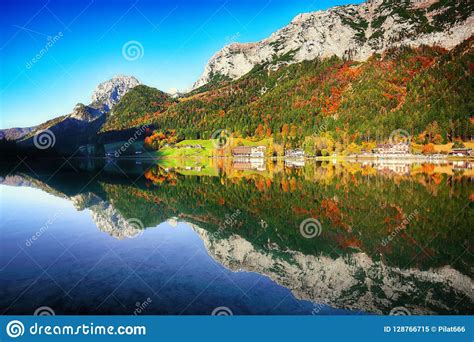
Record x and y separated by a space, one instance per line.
244 237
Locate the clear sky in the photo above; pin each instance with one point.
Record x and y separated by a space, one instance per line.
80 43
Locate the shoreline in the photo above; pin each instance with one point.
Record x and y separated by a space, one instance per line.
412 159
348 158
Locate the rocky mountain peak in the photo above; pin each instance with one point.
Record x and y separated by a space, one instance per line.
174 93
85 113
351 31
108 93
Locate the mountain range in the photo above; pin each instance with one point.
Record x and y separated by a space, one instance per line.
354 32
356 71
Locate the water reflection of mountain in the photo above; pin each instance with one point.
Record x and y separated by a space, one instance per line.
106 217
427 266
354 281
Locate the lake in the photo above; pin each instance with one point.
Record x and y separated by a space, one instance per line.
242 237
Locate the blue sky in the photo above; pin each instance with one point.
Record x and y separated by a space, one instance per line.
82 45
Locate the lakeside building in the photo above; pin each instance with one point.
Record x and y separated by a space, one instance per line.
249 151
462 152
198 147
257 164
294 163
393 150
462 165
195 168
296 153
398 168
390 166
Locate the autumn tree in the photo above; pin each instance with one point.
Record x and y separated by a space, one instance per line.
428 148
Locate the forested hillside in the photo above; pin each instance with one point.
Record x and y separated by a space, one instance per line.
426 91
140 104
